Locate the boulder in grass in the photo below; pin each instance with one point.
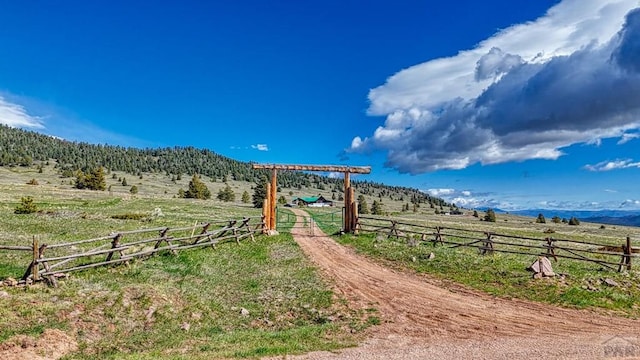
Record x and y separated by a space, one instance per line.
542 268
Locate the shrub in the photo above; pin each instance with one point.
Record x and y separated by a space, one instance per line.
32 182
129 216
490 216
26 206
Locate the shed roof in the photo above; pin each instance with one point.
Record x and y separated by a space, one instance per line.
313 199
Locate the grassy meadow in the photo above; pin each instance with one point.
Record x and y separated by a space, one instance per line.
250 299
235 301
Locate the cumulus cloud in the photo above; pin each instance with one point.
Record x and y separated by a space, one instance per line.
468 200
440 192
571 76
15 115
260 147
629 203
613 165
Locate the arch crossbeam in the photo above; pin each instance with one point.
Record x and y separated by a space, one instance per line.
327 168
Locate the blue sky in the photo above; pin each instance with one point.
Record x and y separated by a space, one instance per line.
510 104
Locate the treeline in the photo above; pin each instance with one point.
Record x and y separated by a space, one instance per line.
25 148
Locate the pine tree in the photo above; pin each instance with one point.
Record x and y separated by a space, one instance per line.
260 192
541 219
363 207
226 194
376 208
574 221
197 189
245 197
80 182
95 179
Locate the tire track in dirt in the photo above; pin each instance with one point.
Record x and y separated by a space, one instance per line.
415 310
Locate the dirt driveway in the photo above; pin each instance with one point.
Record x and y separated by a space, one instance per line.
423 319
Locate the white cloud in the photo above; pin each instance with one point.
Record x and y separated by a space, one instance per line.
440 192
15 115
630 203
466 199
613 165
626 137
260 147
568 77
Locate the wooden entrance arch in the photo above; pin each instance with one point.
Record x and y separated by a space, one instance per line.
350 207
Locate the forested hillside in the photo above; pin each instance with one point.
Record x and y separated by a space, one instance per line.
26 148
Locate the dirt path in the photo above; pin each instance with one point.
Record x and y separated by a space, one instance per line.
421 319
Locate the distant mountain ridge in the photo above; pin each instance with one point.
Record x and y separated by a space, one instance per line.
612 217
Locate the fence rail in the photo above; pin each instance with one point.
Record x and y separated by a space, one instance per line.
49 261
488 242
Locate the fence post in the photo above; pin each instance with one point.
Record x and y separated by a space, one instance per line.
36 255
550 250
626 257
114 244
487 245
438 237
394 229
245 223
50 278
629 252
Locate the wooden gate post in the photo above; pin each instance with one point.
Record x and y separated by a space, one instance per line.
266 208
274 200
347 221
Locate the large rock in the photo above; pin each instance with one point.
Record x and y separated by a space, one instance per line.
543 267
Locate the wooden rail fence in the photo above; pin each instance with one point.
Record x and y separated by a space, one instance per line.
123 246
616 258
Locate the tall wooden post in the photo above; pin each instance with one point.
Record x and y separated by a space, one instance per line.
347 202
274 201
354 212
266 208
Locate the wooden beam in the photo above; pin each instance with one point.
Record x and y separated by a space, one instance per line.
328 168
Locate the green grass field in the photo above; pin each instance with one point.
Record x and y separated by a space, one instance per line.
235 301
250 299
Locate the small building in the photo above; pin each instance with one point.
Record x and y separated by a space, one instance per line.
313 201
